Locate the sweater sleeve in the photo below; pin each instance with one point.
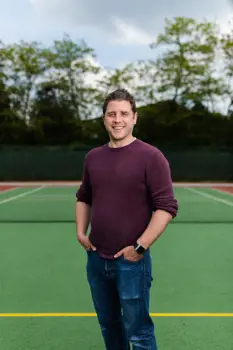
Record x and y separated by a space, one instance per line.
84 193
159 183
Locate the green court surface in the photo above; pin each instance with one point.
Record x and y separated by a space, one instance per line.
42 273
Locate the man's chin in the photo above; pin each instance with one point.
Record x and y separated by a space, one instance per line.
115 137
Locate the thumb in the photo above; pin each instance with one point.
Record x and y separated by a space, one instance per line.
93 247
119 253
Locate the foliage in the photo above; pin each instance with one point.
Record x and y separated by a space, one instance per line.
53 95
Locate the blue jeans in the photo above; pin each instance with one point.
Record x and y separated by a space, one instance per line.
120 293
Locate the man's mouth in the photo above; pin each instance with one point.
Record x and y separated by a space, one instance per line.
118 127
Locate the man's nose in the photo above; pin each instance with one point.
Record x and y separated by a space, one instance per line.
117 118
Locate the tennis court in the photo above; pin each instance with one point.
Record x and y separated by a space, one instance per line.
44 296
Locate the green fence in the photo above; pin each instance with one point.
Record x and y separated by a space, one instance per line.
60 163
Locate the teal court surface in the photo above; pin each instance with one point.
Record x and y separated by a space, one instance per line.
44 296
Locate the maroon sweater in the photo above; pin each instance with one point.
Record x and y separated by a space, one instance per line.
124 186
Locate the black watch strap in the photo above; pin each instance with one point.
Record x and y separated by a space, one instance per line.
139 249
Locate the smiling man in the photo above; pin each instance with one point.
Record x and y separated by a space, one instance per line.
127 197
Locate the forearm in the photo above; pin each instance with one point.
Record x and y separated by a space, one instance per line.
156 227
83 216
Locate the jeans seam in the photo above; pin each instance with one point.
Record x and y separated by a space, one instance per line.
144 285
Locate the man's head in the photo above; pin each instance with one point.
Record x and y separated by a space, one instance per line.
119 114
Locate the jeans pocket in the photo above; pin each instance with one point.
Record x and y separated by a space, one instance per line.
90 251
131 261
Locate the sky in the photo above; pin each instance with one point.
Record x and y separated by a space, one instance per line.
119 31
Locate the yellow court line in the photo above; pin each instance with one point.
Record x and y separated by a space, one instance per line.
94 315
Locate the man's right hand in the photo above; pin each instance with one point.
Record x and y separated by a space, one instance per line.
85 242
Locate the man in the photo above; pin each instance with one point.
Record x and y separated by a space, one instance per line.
127 198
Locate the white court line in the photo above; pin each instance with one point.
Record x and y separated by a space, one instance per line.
207 195
21 195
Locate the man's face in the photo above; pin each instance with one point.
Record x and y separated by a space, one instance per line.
119 119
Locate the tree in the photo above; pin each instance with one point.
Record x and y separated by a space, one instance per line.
227 69
12 129
145 81
52 117
49 95
25 63
112 79
70 64
185 69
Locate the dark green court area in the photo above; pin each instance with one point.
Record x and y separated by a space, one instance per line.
42 270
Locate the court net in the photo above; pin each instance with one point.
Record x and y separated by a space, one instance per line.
55 202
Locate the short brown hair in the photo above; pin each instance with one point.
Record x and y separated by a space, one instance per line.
120 95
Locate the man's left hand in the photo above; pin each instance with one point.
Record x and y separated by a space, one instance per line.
129 253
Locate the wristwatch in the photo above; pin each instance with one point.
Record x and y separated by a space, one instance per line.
139 248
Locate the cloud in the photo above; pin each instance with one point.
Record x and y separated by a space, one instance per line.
129 34
124 22
118 21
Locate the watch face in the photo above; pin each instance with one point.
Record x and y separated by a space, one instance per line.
139 249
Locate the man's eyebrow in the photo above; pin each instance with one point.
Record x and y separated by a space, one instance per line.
122 111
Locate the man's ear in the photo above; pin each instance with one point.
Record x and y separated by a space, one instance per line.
135 117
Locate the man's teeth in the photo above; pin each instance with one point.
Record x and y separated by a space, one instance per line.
118 127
